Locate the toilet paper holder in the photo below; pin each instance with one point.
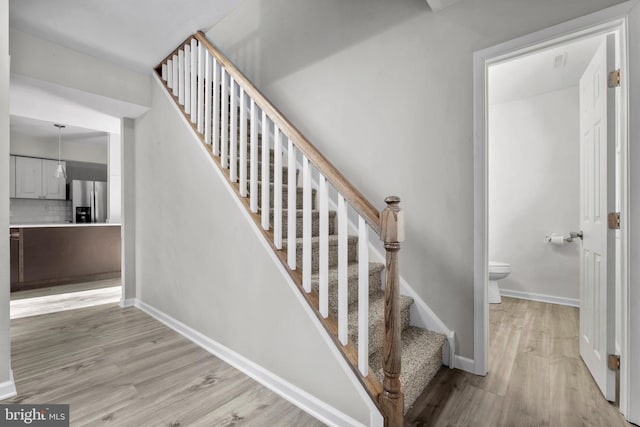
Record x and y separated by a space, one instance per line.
569 239
575 234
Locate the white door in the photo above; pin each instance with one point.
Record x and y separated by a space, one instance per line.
28 178
597 198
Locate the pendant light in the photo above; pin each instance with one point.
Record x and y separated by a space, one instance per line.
60 172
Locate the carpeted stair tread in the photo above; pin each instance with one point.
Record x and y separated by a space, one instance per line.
285 172
421 360
375 283
315 222
285 195
376 319
352 250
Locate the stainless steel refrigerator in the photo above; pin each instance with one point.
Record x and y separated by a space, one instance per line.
89 201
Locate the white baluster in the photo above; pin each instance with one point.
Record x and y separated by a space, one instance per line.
323 272
277 187
164 71
253 162
343 277
224 133
181 77
216 106
233 144
266 181
170 73
194 80
175 75
363 296
208 71
201 61
187 79
291 206
243 144
306 224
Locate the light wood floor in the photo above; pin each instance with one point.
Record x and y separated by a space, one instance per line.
64 297
120 367
536 377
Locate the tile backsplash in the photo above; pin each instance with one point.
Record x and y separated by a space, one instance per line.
29 211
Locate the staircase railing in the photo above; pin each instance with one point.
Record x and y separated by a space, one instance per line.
217 98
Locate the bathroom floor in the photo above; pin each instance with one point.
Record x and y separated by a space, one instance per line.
536 376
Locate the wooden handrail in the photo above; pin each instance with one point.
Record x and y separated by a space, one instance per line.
344 187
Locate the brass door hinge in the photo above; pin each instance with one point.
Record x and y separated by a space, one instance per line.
613 362
613 220
614 78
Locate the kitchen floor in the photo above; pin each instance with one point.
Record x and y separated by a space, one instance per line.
65 297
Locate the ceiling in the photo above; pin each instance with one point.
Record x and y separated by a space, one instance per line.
545 71
137 34
39 129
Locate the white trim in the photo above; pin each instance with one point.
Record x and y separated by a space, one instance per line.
8 388
376 419
449 351
464 364
610 19
571 302
126 303
305 401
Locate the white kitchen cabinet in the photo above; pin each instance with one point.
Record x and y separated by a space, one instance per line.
35 179
12 176
28 178
52 187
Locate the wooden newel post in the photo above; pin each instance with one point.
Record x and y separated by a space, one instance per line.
392 233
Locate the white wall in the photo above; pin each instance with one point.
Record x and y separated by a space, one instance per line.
91 150
384 90
634 217
40 59
128 209
534 181
199 260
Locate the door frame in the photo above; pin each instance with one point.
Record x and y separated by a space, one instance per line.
605 21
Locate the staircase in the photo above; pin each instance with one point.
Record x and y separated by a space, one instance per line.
421 348
264 158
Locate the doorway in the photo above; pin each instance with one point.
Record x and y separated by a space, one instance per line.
553 48
60 258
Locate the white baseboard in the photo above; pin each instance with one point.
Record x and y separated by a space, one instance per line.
571 302
8 388
464 364
129 302
303 400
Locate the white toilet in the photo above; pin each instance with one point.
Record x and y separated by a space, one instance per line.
497 271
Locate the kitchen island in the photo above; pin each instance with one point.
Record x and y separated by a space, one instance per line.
55 254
